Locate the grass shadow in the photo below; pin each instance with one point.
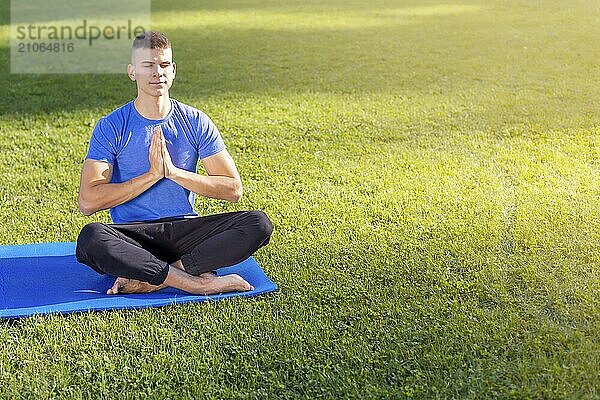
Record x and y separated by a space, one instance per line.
261 55
376 48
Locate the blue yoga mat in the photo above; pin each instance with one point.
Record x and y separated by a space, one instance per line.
46 278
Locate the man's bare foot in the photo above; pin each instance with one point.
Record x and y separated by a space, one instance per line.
124 285
208 283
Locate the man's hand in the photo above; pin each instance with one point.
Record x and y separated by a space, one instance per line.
223 181
170 168
155 154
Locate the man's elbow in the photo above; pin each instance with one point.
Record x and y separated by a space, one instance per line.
86 208
236 192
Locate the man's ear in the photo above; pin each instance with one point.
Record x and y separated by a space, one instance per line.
174 70
131 72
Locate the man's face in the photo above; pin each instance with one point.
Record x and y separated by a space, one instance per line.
153 70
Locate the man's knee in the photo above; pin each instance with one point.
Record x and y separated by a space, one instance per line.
89 241
262 225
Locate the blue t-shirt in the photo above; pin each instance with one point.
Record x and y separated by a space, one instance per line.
123 139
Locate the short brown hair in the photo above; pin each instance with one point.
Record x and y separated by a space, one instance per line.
151 40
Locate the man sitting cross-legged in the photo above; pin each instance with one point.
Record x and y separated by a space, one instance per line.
141 164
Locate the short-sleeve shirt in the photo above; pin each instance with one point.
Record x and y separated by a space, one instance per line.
123 139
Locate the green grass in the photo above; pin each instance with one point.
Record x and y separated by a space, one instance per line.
432 170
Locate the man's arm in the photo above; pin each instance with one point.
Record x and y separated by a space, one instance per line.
97 193
223 180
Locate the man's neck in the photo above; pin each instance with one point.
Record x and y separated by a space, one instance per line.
153 107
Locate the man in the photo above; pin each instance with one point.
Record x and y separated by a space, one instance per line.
141 164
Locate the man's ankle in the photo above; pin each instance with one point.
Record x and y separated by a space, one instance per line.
179 265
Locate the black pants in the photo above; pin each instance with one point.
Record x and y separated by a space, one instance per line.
143 251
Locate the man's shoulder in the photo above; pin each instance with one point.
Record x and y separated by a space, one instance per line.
116 118
114 122
188 110
119 113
